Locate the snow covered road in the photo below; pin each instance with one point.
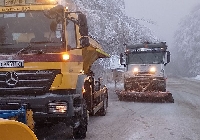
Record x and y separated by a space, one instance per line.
151 121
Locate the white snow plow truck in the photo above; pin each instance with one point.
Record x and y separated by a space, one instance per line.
144 78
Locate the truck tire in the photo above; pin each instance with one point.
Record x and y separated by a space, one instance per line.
163 88
81 130
103 110
120 98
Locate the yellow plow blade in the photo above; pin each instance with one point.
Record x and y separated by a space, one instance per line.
14 130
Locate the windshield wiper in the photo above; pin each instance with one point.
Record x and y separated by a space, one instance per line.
141 58
6 44
156 59
24 49
32 51
41 42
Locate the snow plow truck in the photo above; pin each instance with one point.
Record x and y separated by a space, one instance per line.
144 77
45 60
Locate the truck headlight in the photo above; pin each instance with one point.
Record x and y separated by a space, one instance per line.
57 107
152 70
135 70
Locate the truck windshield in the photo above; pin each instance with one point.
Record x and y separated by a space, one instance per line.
146 58
17 30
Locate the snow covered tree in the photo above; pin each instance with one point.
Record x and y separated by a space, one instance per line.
187 44
109 25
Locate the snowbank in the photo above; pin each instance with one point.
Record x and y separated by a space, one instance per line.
197 77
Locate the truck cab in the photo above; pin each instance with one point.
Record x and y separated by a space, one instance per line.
145 66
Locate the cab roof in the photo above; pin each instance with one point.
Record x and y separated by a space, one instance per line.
148 45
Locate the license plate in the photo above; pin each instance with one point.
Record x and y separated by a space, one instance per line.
12 64
14 2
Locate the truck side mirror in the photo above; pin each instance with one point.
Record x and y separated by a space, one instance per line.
84 41
122 62
82 21
168 56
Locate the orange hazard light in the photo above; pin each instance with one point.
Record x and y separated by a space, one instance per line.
83 90
65 56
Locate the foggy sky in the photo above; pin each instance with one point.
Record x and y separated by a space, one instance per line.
165 14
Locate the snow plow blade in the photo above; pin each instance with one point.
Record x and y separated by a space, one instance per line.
152 97
14 130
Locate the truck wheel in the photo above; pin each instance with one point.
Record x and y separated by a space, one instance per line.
163 89
103 110
120 98
81 130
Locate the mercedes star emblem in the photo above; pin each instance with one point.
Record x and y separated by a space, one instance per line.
11 78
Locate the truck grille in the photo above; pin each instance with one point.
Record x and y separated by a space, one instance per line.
29 82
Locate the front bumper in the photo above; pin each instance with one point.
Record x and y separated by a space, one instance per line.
39 104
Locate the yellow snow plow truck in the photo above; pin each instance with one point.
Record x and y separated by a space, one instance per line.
45 60
144 78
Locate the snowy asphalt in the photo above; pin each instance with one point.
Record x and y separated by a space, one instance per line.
151 121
